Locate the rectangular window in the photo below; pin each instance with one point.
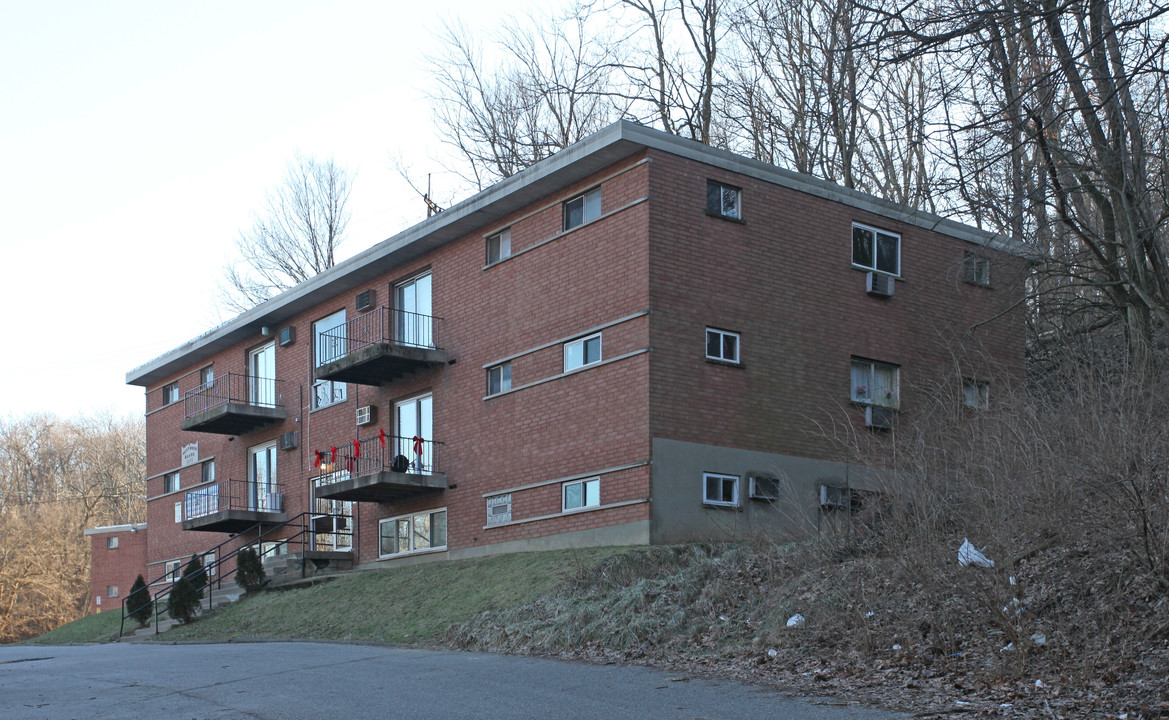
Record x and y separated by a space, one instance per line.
720 490
209 471
582 352
976 269
722 345
174 569
582 209
331 345
723 200
764 488
111 543
499 247
874 249
875 383
499 510
412 533
413 321
111 591
170 483
581 494
976 394
170 393
499 379
178 512
207 376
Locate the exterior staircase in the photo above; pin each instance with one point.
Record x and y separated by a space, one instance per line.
224 594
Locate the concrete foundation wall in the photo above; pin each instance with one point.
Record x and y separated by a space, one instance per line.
680 515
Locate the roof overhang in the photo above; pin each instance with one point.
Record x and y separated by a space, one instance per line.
487 208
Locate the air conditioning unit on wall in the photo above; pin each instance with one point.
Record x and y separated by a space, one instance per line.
287 336
764 488
366 299
366 414
832 496
879 418
288 440
879 284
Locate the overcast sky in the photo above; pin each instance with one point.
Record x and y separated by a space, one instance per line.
138 138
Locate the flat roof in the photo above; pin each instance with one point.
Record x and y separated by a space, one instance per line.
114 528
597 151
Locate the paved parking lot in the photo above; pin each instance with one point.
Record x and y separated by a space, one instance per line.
289 680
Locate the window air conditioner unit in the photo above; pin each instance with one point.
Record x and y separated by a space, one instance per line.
879 418
879 284
366 299
366 414
764 488
832 496
288 440
287 336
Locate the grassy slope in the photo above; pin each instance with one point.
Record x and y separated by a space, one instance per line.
408 604
102 627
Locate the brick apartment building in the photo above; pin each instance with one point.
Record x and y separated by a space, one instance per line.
118 557
638 340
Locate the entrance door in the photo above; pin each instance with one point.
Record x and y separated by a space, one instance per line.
415 418
262 376
415 324
263 495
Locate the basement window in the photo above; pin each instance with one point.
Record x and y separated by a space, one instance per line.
720 490
412 533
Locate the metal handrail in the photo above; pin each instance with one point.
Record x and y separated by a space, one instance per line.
378 454
233 388
214 571
381 325
233 495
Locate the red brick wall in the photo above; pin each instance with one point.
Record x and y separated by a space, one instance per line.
117 566
783 279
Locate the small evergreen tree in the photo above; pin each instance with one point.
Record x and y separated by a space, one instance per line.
183 603
196 575
249 571
139 603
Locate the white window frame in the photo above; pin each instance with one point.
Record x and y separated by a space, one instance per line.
173 570
583 343
873 259
719 501
864 386
976 269
735 213
112 591
499 518
411 519
975 394
207 375
208 471
337 391
499 246
499 378
170 393
179 511
167 488
590 494
722 335
112 543
590 208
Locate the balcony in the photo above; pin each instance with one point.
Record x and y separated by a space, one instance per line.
378 347
233 506
381 469
233 405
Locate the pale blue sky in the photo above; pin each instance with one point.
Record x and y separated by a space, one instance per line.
137 139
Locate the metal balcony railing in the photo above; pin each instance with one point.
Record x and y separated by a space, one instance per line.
380 453
233 495
232 388
376 327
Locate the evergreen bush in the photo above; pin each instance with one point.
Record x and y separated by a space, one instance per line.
249 571
196 575
183 602
139 603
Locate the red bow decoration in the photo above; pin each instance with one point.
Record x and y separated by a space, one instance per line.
381 436
316 458
333 455
417 445
356 448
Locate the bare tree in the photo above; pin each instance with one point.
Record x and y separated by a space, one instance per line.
296 236
549 88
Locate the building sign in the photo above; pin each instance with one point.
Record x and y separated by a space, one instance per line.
190 454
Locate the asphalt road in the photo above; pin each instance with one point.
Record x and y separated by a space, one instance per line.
289 680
